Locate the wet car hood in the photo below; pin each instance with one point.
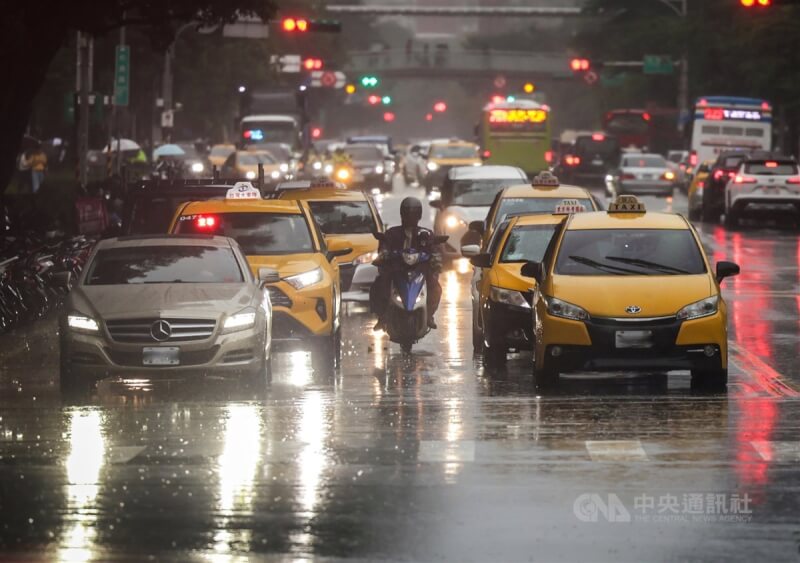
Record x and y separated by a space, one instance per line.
286 264
609 296
167 299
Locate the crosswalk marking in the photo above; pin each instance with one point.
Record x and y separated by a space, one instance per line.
616 450
777 451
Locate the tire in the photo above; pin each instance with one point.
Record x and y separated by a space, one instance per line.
712 379
406 347
494 355
326 355
544 375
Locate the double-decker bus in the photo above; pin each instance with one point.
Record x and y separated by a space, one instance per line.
516 134
723 123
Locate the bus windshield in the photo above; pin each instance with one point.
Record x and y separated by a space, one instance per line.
269 132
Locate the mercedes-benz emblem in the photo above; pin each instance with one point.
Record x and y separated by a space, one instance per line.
633 309
160 330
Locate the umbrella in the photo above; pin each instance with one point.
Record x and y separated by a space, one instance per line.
124 145
168 150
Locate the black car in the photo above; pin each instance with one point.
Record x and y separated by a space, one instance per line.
721 171
369 165
588 158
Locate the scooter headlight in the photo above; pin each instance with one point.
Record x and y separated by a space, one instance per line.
317 166
366 258
432 166
411 258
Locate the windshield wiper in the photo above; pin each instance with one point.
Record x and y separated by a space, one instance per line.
647 264
616 270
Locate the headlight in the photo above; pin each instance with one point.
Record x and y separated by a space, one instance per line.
81 323
299 281
452 222
317 166
432 166
509 297
328 168
275 174
250 175
477 164
240 321
559 308
702 308
198 167
366 258
342 174
284 167
379 169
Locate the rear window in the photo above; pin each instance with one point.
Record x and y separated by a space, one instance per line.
731 161
632 123
478 193
527 243
259 234
589 147
164 264
364 153
629 252
533 206
343 217
644 162
771 168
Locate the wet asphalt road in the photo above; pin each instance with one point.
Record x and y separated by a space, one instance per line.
427 457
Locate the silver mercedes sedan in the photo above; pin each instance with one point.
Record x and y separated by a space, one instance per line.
155 306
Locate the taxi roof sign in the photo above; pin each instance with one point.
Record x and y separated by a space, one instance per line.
545 179
569 206
627 204
243 190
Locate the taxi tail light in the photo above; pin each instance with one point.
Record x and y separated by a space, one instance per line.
548 156
744 180
771 164
206 222
628 176
795 180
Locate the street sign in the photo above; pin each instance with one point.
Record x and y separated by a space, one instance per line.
289 64
500 81
122 75
658 64
246 27
591 78
167 119
328 79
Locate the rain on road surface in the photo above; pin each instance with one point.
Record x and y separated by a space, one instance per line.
421 457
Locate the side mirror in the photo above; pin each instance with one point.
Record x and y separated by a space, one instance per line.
268 275
481 260
436 204
63 279
338 248
533 270
379 236
478 227
470 250
726 270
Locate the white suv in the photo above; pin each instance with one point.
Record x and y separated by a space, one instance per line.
762 183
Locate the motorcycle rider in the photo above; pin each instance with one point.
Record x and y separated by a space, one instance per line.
408 235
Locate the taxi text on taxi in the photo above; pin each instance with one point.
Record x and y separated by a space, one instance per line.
626 290
282 243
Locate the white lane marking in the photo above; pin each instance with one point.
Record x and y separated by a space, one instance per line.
616 450
123 454
441 451
777 451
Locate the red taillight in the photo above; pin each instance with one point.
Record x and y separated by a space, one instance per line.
628 176
548 156
570 160
744 180
598 137
793 180
771 164
247 134
701 184
487 153
693 158
205 222
646 116
718 174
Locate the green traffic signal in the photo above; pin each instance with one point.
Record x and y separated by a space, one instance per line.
386 100
369 81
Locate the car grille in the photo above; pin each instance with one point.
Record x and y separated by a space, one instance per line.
278 297
140 330
134 358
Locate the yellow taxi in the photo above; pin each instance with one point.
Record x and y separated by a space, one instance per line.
501 312
345 217
629 289
281 242
542 195
442 156
220 153
244 164
695 192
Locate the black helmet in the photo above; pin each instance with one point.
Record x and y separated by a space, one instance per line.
410 212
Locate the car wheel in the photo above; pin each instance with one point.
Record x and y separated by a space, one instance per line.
544 375
494 355
710 379
326 355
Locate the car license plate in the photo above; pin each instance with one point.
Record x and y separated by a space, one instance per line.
634 339
597 162
771 190
647 176
168 356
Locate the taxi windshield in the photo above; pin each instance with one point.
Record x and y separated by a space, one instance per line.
479 193
453 151
631 252
163 264
528 243
343 217
259 234
533 206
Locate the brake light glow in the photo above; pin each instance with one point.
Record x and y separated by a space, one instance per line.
548 156
646 116
701 184
795 180
205 222
487 153
668 175
598 137
628 176
693 158
718 174
571 160
744 180
771 164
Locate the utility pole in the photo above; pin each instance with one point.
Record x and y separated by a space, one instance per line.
680 7
117 133
82 86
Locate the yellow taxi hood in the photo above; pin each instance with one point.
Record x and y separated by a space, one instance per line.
508 276
287 264
455 161
360 243
609 296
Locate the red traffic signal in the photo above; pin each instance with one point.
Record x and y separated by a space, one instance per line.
440 107
374 100
312 64
758 3
428 117
388 117
294 24
316 132
580 65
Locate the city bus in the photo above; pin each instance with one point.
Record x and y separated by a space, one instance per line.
654 129
516 134
724 123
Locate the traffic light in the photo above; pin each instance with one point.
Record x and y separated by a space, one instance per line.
756 3
312 64
440 107
303 25
580 65
350 88
386 100
374 100
428 117
529 88
388 117
369 81
316 132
